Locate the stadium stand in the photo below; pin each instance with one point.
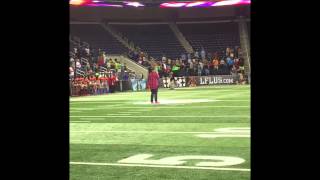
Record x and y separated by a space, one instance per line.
213 37
91 73
97 37
155 39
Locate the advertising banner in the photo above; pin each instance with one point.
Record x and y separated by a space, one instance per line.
193 81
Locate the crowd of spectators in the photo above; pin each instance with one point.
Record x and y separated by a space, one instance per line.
229 62
91 72
139 57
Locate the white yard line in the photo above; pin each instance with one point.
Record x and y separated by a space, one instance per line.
226 116
182 107
96 102
120 115
75 108
233 99
97 118
142 109
158 166
74 111
163 132
80 121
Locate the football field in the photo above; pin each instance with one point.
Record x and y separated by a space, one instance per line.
198 133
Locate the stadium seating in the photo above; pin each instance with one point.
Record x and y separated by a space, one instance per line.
155 39
98 37
213 37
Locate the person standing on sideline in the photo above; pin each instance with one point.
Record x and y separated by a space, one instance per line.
153 83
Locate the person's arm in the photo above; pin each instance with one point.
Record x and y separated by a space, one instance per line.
148 82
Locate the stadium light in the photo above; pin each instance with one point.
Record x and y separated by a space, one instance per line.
135 4
77 2
231 2
173 4
197 3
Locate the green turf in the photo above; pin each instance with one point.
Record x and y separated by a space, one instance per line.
97 136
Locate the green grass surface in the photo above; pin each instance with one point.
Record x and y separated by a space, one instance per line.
109 128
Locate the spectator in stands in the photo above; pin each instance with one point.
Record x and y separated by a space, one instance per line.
125 67
230 62
112 82
108 64
191 65
182 69
85 82
232 55
188 56
172 81
144 61
136 55
104 84
209 55
241 79
87 51
130 54
133 75
228 51
71 59
101 60
183 56
237 64
90 71
140 60
206 69
71 72
141 54
164 69
164 58
215 63
175 69
196 55
199 70
94 67
126 75
112 65
201 64
118 66
98 85
203 54
78 64
234 73
223 68
241 65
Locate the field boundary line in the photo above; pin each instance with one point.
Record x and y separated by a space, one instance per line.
159 166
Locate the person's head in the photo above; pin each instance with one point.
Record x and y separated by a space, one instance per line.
151 69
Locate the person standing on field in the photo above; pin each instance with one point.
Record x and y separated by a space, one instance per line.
153 84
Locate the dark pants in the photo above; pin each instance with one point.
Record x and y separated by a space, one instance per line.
154 94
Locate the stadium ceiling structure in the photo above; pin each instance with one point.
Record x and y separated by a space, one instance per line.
157 3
